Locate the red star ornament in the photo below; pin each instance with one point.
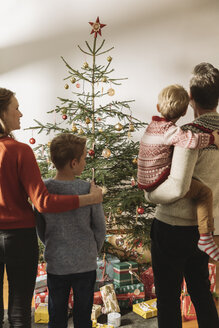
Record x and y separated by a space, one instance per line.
96 27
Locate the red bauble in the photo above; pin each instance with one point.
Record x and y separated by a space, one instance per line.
140 210
64 117
32 141
91 152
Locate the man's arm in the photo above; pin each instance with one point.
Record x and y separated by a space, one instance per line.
179 180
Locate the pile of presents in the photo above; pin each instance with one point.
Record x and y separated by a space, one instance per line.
118 285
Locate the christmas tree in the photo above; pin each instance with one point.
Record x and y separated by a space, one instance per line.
112 152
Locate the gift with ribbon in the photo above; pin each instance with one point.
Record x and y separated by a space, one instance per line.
124 273
109 299
130 294
147 309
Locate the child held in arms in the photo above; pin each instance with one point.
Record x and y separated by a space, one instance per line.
155 154
72 239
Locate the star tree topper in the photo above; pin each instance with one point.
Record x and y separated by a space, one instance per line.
96 27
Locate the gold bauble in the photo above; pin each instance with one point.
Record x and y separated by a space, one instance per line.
109 58
74 128
111 92
66 86
87 120
106 153
118 126
81 131
118 210
131 128
135 161
104 190
104 79
100 130
85 65
73 80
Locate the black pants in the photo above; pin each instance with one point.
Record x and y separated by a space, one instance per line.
175 254
83 289
19 254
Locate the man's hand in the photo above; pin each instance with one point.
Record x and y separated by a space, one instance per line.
216 138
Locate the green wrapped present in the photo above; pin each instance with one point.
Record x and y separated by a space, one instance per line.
124 273
129 295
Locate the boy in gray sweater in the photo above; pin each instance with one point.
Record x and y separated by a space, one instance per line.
72 239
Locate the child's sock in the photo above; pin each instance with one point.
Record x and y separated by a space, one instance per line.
206 244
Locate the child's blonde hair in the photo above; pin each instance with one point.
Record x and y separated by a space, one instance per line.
66 147
173 101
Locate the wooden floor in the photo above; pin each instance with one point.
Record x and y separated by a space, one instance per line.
187 324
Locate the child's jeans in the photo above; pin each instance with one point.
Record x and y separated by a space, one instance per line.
204 202
83 290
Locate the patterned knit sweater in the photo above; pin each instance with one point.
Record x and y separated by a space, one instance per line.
155 153
201 164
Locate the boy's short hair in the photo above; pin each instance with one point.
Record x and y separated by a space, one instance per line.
66 147
173 101
204 86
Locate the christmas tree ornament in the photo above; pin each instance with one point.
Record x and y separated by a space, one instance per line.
32 141
87 120
85 65
91 152
131 127
118 127
118 210
100 130
135 161
73 80
132 181
109 59
99 119
111 92
106 153
64 110
74 128
96 27
140 210
48 143
78 85
104 79
64 117
81 131
66 86
104 190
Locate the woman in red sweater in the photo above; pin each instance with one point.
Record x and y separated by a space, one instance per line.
20 179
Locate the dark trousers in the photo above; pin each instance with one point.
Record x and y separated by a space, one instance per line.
83 289
19 254
175 254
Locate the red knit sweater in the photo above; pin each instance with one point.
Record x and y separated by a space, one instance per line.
20 178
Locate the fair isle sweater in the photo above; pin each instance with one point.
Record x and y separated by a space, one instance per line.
155 153
202 165
72 239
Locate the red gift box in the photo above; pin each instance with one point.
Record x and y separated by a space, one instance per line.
147 278
40 298
187 308
98 298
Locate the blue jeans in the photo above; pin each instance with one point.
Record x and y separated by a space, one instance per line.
19 254
175 254
83 290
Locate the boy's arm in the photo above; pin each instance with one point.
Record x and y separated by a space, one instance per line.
179 180
40 225
187 139
98 225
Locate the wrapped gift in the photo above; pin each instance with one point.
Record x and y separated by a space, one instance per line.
100 325
40 298
41 283
125 273
187 308
41 314
147 309
105 267
109 299
70 300
41 269
147 278
98 298
96 311
129 295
